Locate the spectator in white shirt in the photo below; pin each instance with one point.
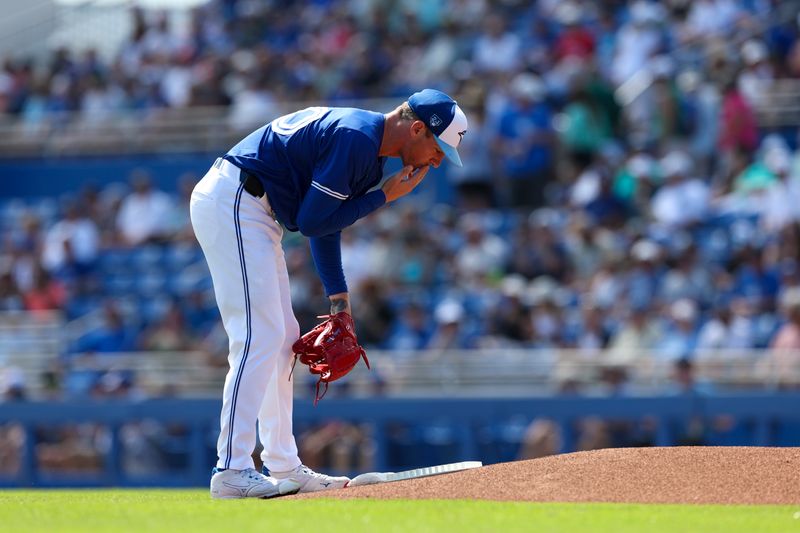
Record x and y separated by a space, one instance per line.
731 328
779 206
483 252
71 243
497 50
708 18
681 200
757 75
637 41
159 38
144 213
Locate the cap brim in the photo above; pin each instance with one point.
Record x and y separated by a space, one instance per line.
450 152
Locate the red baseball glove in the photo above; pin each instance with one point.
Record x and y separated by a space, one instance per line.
330 350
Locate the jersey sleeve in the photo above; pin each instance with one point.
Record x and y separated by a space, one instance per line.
321 214
327 206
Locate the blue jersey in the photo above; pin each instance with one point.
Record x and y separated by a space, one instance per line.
317 166
332 150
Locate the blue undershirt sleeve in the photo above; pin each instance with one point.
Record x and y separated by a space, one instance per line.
327 254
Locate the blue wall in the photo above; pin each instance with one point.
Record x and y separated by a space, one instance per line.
40 177
20 178
763 419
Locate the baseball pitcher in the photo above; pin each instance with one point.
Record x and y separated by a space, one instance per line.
315 171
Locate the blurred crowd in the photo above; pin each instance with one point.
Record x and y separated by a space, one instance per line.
249 55
619 196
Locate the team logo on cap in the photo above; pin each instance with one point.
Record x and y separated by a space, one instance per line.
461 136
435 121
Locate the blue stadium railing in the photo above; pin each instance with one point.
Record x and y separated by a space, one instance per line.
465 416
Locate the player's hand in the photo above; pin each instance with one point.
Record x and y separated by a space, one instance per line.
403 182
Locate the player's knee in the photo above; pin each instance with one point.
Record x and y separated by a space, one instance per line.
292 331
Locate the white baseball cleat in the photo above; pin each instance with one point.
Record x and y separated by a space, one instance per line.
248 483
311 481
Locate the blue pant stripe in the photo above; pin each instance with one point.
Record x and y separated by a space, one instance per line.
240 244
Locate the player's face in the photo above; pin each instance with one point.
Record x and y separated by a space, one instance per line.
422 148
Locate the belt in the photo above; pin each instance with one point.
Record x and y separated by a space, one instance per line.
252 184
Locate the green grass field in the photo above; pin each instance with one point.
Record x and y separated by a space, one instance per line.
192 511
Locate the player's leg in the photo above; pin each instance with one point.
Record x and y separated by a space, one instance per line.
237 241
280 456
275 419
275 416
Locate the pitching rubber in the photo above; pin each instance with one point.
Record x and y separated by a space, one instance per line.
372 478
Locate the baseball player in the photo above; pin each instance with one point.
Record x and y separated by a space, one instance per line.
313 171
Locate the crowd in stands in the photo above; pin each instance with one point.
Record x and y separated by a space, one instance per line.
595 211
619 198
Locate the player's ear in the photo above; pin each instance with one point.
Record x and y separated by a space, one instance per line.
417 128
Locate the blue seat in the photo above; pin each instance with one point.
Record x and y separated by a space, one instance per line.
46 209
120 284
114 261
151 282
179 256
78 383
153 308
188 280
128 304
79 306
145 258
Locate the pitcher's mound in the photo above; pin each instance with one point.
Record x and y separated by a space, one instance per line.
708 475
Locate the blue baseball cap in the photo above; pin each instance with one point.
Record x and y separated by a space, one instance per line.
443 117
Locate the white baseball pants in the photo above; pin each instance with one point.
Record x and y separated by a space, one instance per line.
242 245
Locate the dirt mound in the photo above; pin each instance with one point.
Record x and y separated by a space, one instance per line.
708 475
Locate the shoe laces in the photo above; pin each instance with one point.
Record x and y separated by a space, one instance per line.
251 473
306 470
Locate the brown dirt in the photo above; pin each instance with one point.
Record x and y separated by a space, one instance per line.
701 475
